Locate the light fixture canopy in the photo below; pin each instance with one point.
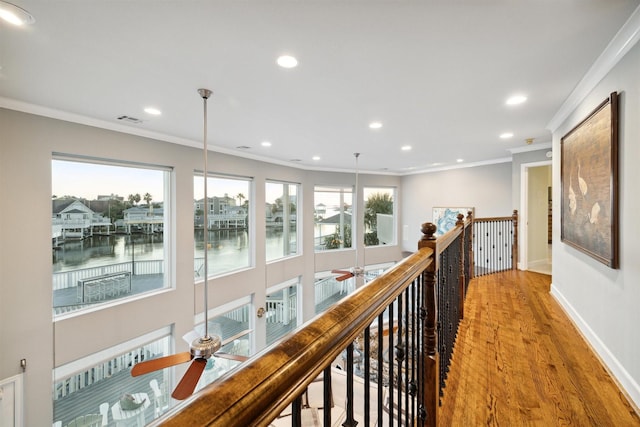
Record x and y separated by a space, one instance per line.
15 15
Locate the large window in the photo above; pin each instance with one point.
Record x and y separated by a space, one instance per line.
108 225
379 216
281 220
228 220
332 217
94 386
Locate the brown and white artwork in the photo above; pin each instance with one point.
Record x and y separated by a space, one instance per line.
589 217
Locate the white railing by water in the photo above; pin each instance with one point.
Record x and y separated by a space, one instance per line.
69 279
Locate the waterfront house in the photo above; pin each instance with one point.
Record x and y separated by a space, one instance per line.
73 220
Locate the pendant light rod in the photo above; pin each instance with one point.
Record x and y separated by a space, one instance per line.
355 208
205 94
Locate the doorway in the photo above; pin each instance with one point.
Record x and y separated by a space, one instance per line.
535 241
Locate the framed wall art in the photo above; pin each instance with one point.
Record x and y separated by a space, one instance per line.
589 179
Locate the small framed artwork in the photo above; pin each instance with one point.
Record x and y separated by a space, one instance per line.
445 218
589 180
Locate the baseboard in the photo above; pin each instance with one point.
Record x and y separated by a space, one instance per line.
629 387
537 263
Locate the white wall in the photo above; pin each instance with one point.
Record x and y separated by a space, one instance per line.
486 188
26 329
602 301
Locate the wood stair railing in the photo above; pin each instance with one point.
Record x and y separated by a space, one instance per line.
259 390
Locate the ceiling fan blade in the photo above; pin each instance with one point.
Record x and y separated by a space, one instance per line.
190 379
159 363
340 271
235 337
236 357
344 277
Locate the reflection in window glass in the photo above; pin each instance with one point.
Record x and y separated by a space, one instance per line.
379 220
86 387
281 220
282 311
329 291
332 217
233 328
107 232
228 218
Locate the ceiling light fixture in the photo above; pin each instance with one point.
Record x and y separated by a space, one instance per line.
375 125
316 158
406 148
152 111
516 99
459 160
15 15
506 135
287 61
265 144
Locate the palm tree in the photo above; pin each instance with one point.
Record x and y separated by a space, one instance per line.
377 203
240 197
147 198
134 198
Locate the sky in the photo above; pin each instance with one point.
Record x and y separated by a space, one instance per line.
88 180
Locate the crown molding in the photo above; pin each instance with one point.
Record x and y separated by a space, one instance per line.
619 46
532 147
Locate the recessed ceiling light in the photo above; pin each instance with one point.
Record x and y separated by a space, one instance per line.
516 99
15 15
459 160
375 125
506 135
435 164
152 111
287 61
265 144
406 148
316 157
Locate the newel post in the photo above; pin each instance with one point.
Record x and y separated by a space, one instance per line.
430 356
470 236
514 247
461 275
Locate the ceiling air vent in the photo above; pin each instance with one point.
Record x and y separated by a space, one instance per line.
243 147
129 119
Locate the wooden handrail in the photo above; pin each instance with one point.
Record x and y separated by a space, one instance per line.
260 389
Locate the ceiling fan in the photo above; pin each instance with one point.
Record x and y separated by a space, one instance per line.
202 348
354 271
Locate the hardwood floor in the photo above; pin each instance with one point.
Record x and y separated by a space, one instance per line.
520 361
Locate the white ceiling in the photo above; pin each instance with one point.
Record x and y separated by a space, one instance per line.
435 73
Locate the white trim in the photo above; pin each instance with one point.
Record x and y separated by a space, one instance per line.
622 42
18 399
524 211
459 166
533 147
624 379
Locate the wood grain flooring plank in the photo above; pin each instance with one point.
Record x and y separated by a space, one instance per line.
520 361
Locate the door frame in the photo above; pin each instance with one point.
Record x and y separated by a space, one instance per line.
523 235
